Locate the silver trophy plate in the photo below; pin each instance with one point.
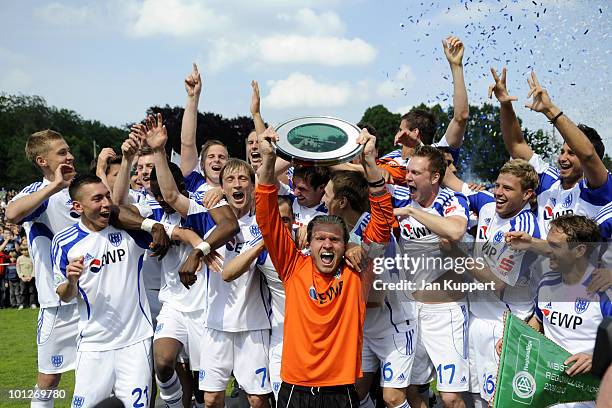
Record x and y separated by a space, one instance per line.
317 140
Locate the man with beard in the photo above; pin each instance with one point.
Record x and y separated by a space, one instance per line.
581 185
325 298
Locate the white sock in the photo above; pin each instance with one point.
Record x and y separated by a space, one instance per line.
171 391
40 400
403 405
366 402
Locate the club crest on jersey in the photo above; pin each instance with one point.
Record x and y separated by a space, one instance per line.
254 230
78 401
581 305
95 265
57 360
499 236
567 202
115 238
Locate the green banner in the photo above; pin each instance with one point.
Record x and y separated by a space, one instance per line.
532 374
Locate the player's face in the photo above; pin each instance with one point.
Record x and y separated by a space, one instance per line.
238 189
306 195
419 179
413 134
253 150
327 247
450 163
569 165
510 198
58 153
144 167
94 204
111 175
329 199
212 163
561 257
135 182
286 214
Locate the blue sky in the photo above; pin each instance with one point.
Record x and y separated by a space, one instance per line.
110 60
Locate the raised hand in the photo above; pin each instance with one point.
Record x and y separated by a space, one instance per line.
406 138
354 256
130 146
255 99
265 140
156 134
540 100
499 87
193 82
64 175
453 50
368 142
105 155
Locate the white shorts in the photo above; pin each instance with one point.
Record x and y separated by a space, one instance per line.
126 372
186 327
394 355
276 355
57 338
244 353
443 334
154 304
484 361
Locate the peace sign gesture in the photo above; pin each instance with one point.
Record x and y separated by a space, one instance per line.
540 100
499 87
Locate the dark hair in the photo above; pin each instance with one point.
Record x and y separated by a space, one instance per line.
353 186
423 120
80 181
594 138
437 162
579 230
177 175
314 175
368 126
327 219
145 151
285 200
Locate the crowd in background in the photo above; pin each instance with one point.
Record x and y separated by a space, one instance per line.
16 272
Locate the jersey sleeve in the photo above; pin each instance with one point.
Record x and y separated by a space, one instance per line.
452 204
59 261
454 151
548 174
32 188
599 196
193 181
605 304
400 196
277 238
381 219
143 239
476 200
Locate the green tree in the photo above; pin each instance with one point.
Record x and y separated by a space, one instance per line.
386 125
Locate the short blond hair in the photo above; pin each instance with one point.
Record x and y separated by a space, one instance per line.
236 165
523 171
38 144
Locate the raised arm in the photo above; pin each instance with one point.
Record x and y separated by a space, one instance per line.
260 126
21 208
189 149
129 148
105 155
453 50
511 129
594 170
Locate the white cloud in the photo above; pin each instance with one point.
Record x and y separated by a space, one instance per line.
179 18
62 15
225 52
402 80
300 90
309 22
330 51
403 109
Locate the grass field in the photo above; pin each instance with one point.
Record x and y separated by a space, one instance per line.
18 366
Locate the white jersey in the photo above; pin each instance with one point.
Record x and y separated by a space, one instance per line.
604 220
569 313
554 201
113 307
394 314
238 305
150 208
513 267
52 216
416 239
396 155
172 290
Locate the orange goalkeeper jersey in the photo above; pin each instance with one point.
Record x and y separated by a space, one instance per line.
324 313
